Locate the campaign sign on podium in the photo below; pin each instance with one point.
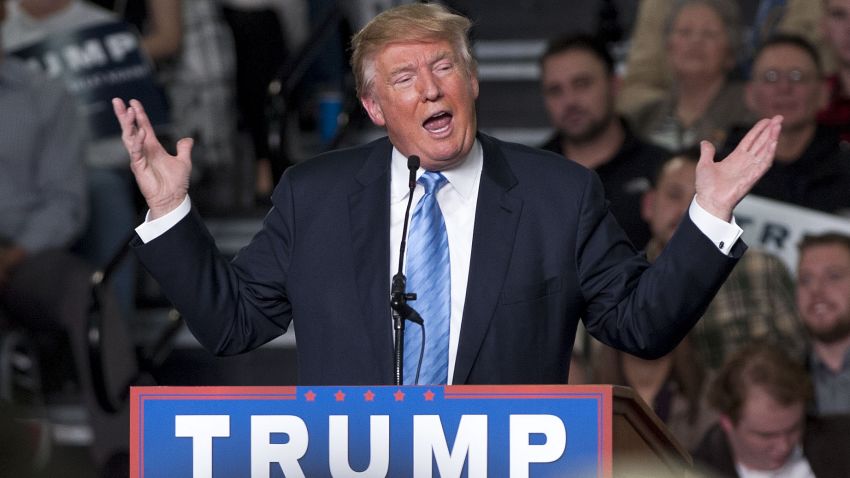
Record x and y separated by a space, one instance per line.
475 431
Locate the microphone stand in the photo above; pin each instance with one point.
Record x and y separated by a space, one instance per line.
402 312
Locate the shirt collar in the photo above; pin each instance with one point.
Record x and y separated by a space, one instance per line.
461 177
819 364
796 466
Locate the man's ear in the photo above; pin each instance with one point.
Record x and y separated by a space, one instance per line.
373 108
647 205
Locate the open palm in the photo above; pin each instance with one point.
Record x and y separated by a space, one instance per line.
163 178
720 186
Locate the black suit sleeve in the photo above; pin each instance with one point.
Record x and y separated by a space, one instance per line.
644 310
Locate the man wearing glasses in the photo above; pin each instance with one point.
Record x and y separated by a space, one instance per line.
810 169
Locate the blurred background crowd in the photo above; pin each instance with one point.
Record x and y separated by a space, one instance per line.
627 88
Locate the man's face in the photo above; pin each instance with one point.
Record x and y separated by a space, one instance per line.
578 93
836 29
785 82
424 95
766 433
664 206
698 44
823 291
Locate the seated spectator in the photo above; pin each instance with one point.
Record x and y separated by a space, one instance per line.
756 302
761 395
44 289
648 76
579 88
823 296
810 170
110 185
158 21
702 39
836 27
673 386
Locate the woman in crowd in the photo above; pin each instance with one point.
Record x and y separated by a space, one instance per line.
702 38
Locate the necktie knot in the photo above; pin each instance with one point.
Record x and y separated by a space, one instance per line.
432 181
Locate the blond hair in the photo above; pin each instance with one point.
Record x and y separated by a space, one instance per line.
415 22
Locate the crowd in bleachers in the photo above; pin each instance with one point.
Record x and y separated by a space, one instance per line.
691 76
695 72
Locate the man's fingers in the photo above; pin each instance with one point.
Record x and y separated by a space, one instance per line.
119 108
706 152
137 146
125 116
142 119
762 150
753 134
184 147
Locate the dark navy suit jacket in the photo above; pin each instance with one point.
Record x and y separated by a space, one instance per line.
545 254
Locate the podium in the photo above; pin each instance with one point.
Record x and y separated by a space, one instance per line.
476 431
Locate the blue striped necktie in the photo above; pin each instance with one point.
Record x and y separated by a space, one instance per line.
429 277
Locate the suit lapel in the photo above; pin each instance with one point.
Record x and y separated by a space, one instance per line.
369 216
496 218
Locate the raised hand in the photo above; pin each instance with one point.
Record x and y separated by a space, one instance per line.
721 186
163 179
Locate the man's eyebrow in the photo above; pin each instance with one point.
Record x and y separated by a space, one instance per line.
407 67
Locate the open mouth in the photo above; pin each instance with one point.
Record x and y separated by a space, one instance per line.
438 123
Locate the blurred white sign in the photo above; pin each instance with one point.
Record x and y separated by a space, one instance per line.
778 227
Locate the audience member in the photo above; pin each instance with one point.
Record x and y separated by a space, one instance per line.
110 185
579 89
44 289
200 81
756 302
158 21
648 76
261 49
702 38
761 395
810 169
836 28
823 297
672 385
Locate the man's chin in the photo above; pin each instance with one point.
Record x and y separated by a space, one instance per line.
829 335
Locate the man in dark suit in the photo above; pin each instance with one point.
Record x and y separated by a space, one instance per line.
532 245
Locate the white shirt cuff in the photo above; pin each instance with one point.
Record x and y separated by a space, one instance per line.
150 230
723 234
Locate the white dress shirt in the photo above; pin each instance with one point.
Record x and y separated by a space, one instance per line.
797 466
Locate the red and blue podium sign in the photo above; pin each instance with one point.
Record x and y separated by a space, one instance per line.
474 431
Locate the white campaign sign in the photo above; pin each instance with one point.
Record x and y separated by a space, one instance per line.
778 227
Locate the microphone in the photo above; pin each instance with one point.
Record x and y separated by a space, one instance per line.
398 296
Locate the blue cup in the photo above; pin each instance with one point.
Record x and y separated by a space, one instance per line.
330 107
